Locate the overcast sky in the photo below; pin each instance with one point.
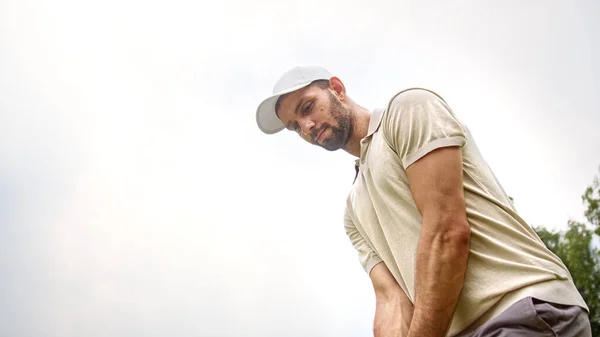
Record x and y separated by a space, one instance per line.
138 197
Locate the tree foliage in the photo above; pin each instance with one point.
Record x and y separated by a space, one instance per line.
591 199
576 248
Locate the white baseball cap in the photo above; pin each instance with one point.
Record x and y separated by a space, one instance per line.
292 80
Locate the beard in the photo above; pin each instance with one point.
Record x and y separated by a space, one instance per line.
340 133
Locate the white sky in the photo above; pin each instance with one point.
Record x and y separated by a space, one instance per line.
138 197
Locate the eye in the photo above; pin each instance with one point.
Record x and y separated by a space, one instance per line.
306 109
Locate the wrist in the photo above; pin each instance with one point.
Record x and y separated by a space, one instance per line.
425 323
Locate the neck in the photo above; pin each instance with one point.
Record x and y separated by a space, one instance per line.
362 117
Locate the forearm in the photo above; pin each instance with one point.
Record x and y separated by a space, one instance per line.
441 264
392 317
393 309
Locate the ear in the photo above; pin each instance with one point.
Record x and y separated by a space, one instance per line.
338 87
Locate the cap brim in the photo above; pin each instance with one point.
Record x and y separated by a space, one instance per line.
266 118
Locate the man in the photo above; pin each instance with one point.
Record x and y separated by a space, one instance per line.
445 249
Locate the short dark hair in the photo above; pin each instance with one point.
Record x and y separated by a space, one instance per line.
323 84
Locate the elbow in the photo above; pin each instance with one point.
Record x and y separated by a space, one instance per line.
451 232
457 235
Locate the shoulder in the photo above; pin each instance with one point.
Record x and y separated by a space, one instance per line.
411 106
416 117
413 96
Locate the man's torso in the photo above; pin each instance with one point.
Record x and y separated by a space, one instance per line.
507 260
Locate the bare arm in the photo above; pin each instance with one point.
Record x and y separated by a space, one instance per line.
441 261
393 310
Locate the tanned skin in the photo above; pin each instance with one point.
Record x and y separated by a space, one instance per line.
393 309
443 247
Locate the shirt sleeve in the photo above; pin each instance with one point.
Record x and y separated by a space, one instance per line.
366 256
417 122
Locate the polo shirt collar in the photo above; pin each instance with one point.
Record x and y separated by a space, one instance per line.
374 121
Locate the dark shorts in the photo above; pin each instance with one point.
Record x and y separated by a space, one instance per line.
533 317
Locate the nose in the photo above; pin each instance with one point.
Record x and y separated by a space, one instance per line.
306 125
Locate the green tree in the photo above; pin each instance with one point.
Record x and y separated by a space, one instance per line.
591 199
575 247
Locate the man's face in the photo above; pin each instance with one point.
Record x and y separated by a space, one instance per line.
318 116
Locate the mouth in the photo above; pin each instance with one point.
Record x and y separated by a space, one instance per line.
320 135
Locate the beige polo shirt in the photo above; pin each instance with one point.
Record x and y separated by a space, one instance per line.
507 259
